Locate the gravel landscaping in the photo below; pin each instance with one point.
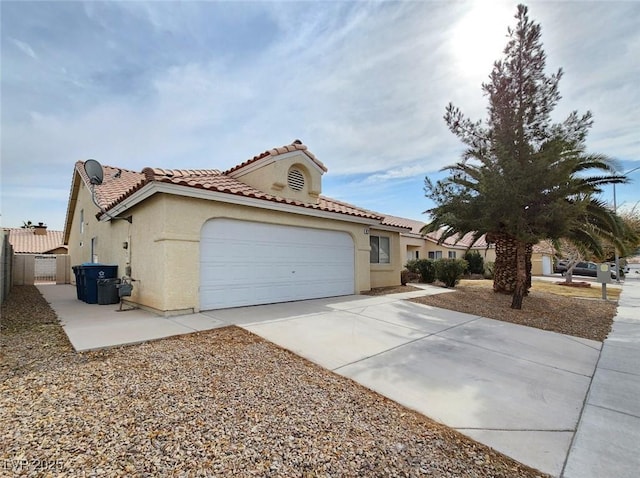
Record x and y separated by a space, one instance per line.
219 403
580 317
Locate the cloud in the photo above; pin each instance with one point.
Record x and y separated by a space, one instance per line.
363 84
395 174
25 48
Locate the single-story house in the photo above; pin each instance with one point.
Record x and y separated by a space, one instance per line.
414 245
39 255
260 232
542 256
36 240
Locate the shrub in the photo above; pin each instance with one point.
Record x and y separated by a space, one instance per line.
449 271
424 267
476 262
488 270
412 266
407 276
427 270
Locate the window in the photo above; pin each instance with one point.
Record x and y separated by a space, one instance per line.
81 221
379 250
413 255
94 252
435 254
452 254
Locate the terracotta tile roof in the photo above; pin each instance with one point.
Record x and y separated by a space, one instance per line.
463 243
119 184
416 226
295 146
411 224
214 180
345 208
26 241
544 247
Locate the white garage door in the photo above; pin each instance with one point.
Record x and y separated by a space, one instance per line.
249 263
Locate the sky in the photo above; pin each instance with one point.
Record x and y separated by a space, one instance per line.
363 84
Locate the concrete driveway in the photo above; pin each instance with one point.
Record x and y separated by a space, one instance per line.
517 389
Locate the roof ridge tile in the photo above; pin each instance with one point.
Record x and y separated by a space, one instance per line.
297 145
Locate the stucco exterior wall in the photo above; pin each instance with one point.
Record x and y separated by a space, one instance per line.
23 269
537 260
424 246
182 240
383 275
163 246
272 177
109 237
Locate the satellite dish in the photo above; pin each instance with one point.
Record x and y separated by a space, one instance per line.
94 170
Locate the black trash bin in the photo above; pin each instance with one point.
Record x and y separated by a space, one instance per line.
108 291
79 273
92 273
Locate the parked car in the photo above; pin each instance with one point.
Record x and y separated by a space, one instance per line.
589 269
560 266
623 267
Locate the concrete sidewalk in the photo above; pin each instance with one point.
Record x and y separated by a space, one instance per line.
518 389
607 441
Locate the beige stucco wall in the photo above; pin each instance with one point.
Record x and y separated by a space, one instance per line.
164 246
182 239
110 237
536 263
424 246
383 275
23 269
272 176
63 269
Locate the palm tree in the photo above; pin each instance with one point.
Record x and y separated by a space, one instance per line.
554 200
522 178
600 229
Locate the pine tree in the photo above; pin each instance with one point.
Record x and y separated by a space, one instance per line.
521 178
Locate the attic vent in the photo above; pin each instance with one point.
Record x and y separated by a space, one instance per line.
295 179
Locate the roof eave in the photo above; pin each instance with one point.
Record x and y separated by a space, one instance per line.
71 206
156 187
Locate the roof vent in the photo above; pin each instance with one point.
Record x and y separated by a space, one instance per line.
295 179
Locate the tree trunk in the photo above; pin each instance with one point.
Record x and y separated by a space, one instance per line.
521 276
504 276
568 276
505 270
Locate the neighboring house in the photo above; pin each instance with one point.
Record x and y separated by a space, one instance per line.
260 232
416 246
36 240
39 255
542 259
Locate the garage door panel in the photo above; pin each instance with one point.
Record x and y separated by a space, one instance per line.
247 263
